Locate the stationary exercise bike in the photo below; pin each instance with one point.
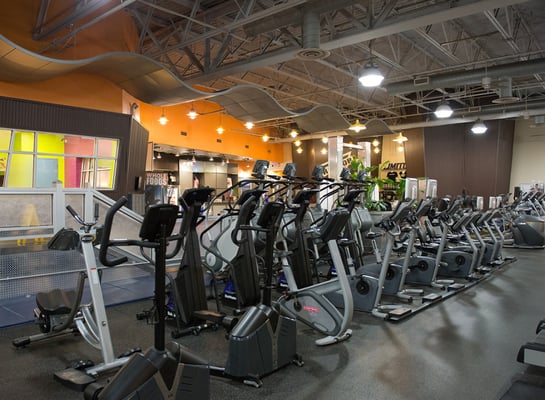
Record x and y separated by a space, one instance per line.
311 304
165 371
60 312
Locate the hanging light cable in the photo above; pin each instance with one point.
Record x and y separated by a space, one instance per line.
192 114
162 119
220 129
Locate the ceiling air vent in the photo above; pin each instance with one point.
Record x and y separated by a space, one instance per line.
505 92
312 54
311 38
421 81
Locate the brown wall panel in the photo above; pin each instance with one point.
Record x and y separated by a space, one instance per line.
505 155
463 162
414 153
443 149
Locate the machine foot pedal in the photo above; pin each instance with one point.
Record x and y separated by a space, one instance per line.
431 297
74 379
399 313
455 286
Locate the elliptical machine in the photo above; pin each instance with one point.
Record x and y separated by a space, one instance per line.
164 371
240 271
265 338
188 291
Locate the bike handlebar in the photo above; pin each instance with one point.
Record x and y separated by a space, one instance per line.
105 241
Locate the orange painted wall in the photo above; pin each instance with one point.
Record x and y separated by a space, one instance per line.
78 90
201 132
118 33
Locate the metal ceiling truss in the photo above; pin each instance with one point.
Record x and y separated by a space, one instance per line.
307 52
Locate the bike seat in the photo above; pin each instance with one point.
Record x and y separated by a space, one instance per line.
56 302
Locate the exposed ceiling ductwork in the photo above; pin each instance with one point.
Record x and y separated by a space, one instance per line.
420 46
534 109
311 37
472 77
505 92
293 16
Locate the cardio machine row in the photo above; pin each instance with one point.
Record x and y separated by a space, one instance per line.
275 245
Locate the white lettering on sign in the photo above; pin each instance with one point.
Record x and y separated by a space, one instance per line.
156 178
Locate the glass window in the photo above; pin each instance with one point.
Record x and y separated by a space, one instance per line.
21 168
76 161
107 148
3 167
23 141
5 138
79 145
105 174
87 173
51 143
72 172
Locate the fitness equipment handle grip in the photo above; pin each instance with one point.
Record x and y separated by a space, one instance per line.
105 241
75 215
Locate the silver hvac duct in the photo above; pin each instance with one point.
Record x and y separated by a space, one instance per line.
293 16
473 77
311 37
533 109
505 92
486 114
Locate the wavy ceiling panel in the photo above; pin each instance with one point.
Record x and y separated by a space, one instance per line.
151 83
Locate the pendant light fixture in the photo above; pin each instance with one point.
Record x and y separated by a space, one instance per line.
220 129
192 114
400 138
162 119
479 127
294 133
357 126
371 75
249 125
443 110
265 137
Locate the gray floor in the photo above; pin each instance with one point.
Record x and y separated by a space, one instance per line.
463 348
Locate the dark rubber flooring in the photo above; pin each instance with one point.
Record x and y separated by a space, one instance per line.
462 348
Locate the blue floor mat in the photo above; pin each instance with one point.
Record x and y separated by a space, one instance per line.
19 310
